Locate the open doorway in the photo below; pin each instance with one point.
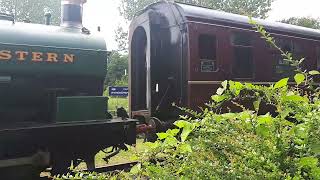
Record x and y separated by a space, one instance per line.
139 70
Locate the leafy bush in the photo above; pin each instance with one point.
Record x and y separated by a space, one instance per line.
243 145
247 132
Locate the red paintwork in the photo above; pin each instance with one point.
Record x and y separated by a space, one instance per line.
263 59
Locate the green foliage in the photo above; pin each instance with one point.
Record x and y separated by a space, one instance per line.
116 68
32 10
243 145
308 22
255 8
121 37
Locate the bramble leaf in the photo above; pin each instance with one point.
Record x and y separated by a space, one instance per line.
281 83
170 141
185 148
224 84
136 169
265 119
162 136
180 124
314 72
308 162
299 78
220 91
218 98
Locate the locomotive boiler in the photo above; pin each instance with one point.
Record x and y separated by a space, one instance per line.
52 110
180 54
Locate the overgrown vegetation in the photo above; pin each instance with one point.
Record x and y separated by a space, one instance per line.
247 132
32 10
116 69
308 22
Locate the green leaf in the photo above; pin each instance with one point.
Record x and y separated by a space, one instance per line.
301 131
308 162
299 78
281 83
265 119
297 98
180 124
235 87
173 132
187 129
224 84
185 148
263 130
162 136
220 91
315 148
229 115
170 141
314 72
256 104
136 169
218 98
244 115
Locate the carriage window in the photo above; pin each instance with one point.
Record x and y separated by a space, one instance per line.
243 55
285 44
207 53
281 67
241 39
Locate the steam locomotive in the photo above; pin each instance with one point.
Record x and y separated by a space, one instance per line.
52 110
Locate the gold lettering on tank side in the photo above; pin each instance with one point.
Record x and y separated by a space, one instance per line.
69 58
52 57
5 55
21 55
37 56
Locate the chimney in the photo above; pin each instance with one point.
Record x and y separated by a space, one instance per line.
71 13
47 19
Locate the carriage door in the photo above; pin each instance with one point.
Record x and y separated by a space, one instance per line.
242 55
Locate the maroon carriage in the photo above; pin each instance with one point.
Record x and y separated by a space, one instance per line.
180 54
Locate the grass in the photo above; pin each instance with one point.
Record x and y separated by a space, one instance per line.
122 157
115 103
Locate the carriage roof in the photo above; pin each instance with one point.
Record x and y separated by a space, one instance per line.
206 14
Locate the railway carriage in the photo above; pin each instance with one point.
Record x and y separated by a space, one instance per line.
181 53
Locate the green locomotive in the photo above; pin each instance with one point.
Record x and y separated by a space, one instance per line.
51 106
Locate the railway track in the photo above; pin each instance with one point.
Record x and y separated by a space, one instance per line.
117 167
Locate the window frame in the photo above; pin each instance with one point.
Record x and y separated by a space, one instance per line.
234 46
215 60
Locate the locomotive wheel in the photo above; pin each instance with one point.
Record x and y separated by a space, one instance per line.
60 167
151 136
60 163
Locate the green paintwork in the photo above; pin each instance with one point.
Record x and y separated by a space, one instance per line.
81 108
29 90
90 50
